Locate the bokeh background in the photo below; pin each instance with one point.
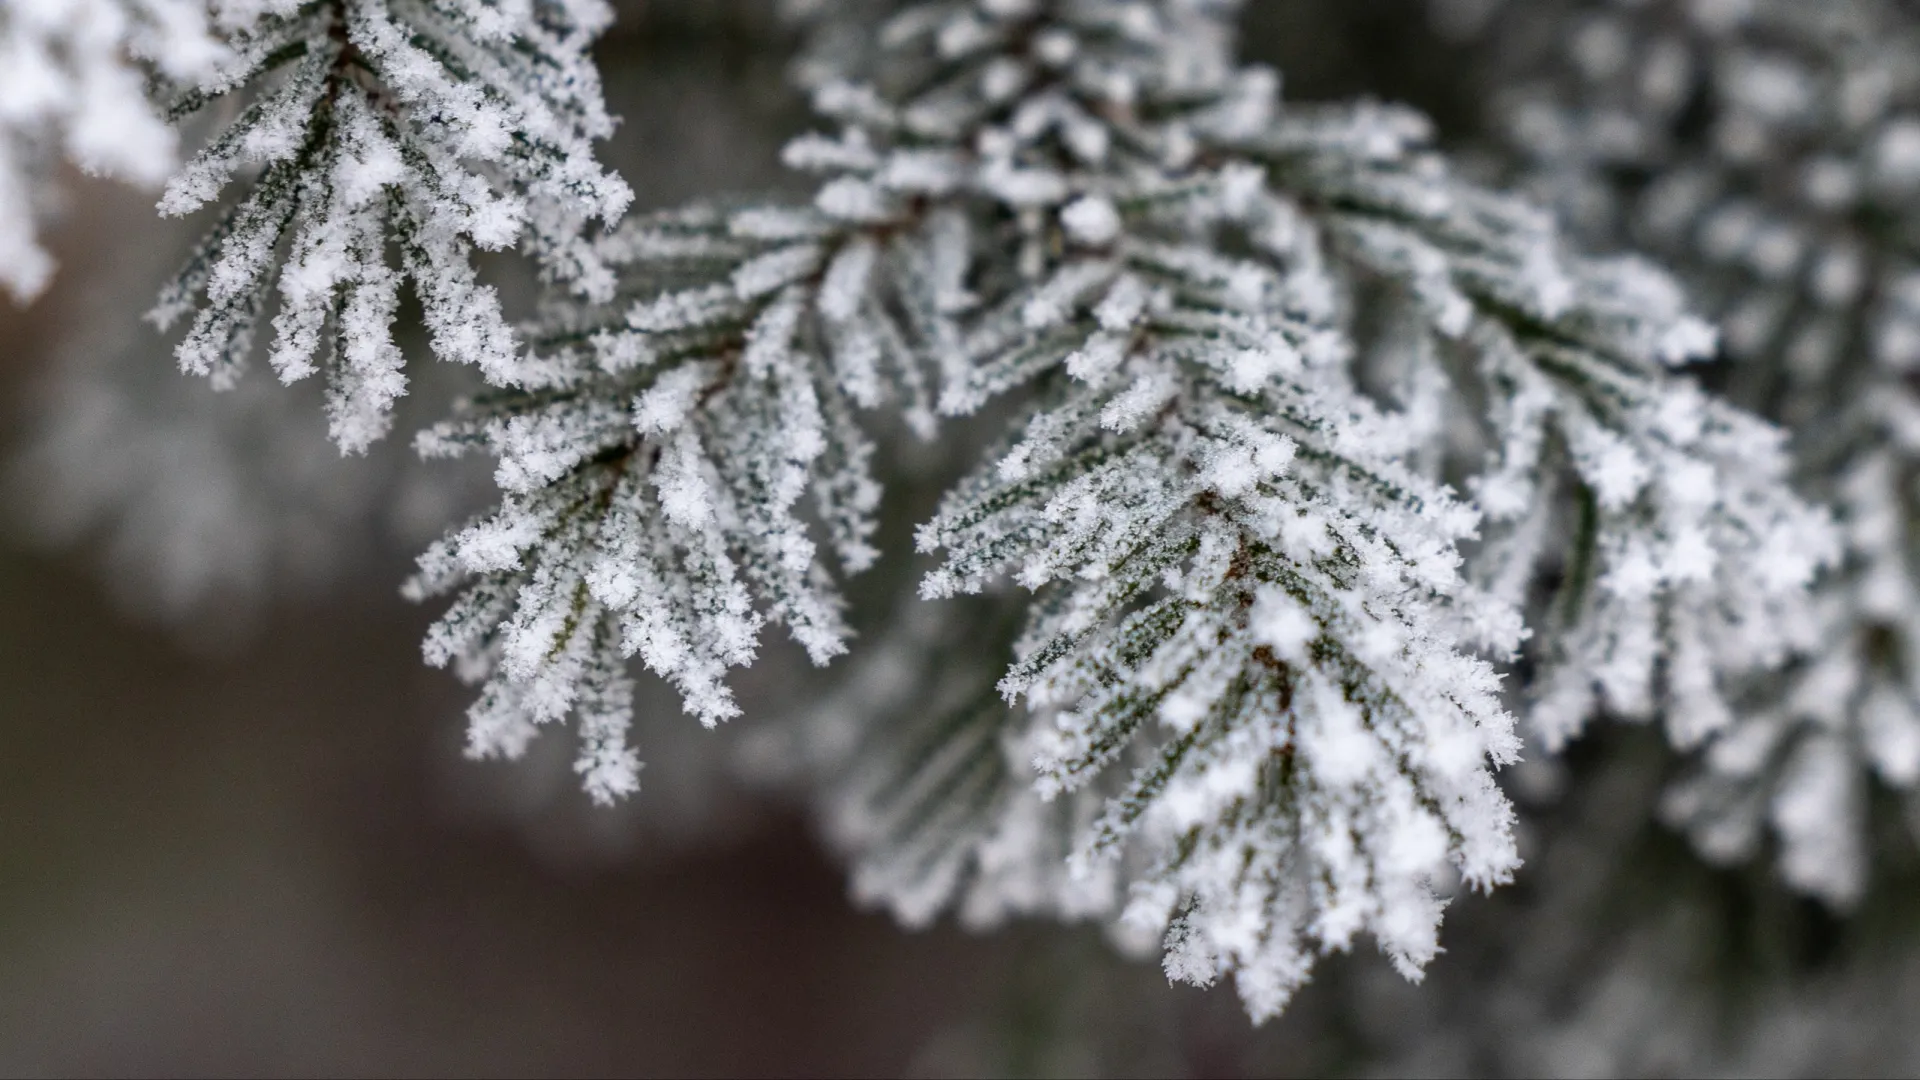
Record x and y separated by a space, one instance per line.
237 835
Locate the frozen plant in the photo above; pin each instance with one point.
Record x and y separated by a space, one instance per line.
432 128
1255 655
1310 446
71 87
1769 151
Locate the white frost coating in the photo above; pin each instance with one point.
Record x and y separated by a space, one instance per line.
652 505
1233 562
1811 288
428 128
846 281
1252 712
71 87
1280 623
1092 221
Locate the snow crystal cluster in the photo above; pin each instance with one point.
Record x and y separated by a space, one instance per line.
1768 151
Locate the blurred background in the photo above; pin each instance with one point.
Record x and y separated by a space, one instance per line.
237 834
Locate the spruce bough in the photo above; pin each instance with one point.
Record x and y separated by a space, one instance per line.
1311 446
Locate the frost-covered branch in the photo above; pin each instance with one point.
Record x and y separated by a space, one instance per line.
1245 598
1663 513
653 473
1770 152
432 128
71 87
1309 443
